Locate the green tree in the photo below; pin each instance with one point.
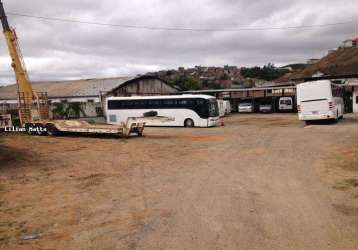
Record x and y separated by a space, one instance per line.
268 72
75 110
68 110
225 77
186 83
59 111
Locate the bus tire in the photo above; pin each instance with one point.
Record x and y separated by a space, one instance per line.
188 123
51 129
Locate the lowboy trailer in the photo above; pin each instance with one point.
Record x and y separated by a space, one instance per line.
134 125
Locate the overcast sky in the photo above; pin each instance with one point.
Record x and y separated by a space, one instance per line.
56 50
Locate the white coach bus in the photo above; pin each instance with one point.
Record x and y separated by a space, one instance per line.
319 100
187 110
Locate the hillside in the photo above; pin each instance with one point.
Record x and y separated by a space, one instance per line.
339 62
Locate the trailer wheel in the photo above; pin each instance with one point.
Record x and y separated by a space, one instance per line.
28 128
39 129
51 129
188 123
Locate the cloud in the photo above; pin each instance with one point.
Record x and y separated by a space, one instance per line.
55 50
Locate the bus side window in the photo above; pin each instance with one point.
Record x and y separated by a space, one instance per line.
167 103
128 104
182 102
143 104
200 102
114 104
191 103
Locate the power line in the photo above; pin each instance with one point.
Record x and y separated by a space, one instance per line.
125 26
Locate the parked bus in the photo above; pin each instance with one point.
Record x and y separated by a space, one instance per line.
319 100
187 110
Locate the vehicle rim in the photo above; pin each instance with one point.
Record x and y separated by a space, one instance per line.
189 123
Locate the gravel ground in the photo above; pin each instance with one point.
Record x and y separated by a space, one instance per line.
259 182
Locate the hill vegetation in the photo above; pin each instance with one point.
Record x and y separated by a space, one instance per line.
343 61
268 72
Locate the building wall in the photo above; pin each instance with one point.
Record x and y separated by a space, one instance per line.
89 108
144 87
92 106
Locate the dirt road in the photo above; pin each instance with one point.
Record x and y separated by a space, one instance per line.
260 182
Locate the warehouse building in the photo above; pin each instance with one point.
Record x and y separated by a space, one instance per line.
84 98
274 93
252 95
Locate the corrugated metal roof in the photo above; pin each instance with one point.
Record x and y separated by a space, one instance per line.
87 87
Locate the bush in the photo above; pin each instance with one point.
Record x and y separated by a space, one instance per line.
268 72
186 83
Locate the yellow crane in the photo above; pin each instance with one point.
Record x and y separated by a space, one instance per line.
33 106
34 109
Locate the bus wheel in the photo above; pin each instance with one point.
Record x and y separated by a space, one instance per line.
188 123
51 129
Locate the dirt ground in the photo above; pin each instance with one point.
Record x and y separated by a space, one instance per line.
259 182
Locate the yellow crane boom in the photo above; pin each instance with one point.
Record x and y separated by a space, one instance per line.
32 106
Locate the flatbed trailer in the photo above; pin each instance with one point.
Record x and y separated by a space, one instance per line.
134 125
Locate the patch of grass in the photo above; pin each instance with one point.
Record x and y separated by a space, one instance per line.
123 140
353 182
348 160
345 209
91 121
344 185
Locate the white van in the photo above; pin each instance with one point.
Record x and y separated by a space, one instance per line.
227 106
319 100
285 104
221 106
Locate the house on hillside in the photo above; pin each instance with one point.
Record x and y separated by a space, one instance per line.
350 43
312 61
318 74
86 95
